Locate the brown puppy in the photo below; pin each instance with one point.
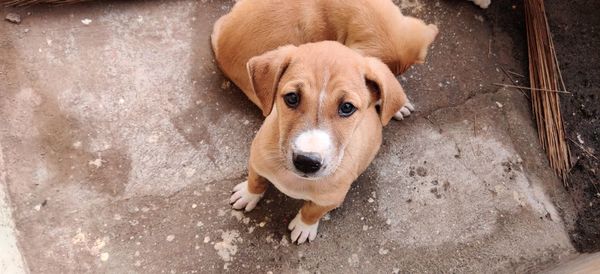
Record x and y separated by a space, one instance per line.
372 27
322 128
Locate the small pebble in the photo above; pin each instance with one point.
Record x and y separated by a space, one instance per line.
170 238
13 18
104 257
86 21
383 251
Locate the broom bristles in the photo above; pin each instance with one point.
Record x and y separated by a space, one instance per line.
544 74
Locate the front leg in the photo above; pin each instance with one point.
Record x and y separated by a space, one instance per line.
305 225
247 194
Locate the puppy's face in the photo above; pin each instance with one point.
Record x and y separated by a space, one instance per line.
320 93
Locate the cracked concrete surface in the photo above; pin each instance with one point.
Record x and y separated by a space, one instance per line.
122 140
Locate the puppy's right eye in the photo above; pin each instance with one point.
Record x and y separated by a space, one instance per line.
291 99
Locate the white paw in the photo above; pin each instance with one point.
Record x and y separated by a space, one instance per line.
242 198
301 231
404 111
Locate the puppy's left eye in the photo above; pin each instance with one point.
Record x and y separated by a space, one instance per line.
346 109
291 99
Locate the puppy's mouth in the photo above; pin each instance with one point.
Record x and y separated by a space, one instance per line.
313 177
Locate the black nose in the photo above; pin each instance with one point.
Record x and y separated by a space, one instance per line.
307 163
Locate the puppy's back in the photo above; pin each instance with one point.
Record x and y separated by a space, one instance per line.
255 27
373 27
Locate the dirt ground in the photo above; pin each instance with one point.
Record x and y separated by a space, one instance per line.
121 140
576 29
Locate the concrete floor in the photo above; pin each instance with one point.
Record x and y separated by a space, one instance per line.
121 141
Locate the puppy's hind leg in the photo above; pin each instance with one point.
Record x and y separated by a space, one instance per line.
404 111
247 194
214 36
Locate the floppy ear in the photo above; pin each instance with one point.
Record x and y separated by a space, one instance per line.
381 80
265 71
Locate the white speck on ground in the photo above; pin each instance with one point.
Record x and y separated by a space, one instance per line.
237 214
152 139
284 241
579 139
86 21
189 172
13 18
170 238
104 257
97 163
98 245
77 145
353 260
227 248
79 237
383 251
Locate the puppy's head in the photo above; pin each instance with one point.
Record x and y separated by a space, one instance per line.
320 93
